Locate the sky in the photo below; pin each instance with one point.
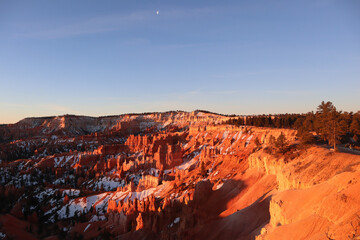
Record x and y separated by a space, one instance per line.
99 58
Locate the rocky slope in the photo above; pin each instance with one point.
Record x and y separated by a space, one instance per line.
173 175
71 125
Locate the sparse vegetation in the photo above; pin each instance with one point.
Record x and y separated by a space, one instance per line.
332 126
329 123
281 143
257 142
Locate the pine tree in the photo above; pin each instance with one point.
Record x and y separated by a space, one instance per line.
257 142
305 136
355 124
322 119
281 143
329 123
272 140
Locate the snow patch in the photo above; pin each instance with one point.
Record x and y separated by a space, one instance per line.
97 218
187 165
248 140
118 196
87 227
71 192
225 134
108 184
83 205
219 186
176 220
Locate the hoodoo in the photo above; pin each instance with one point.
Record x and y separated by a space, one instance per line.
173 175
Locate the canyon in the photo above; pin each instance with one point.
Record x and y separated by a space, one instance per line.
171 175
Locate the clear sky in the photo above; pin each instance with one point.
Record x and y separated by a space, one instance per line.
110 57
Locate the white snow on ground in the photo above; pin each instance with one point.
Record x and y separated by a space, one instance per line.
87 227
108 184
144 125
76 160
154 172
219 186
97 218
235 136
221 149
26 178
182 194
142 195
167 171
99 202
248 140
168 122
188 164
48 192
161 188
57 161
212 166
59 181
135 178
225 134
174 195
176 220
185 165
239 135
61 161
118 196
71 192
81 205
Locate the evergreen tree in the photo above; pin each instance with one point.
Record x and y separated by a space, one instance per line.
272 140
323 116
329 123
281 143
305 136
355 124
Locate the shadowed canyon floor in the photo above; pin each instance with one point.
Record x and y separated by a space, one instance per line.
173 175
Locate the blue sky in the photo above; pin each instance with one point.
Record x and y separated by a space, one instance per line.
110 57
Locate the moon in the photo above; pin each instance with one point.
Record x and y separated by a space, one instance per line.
157 12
